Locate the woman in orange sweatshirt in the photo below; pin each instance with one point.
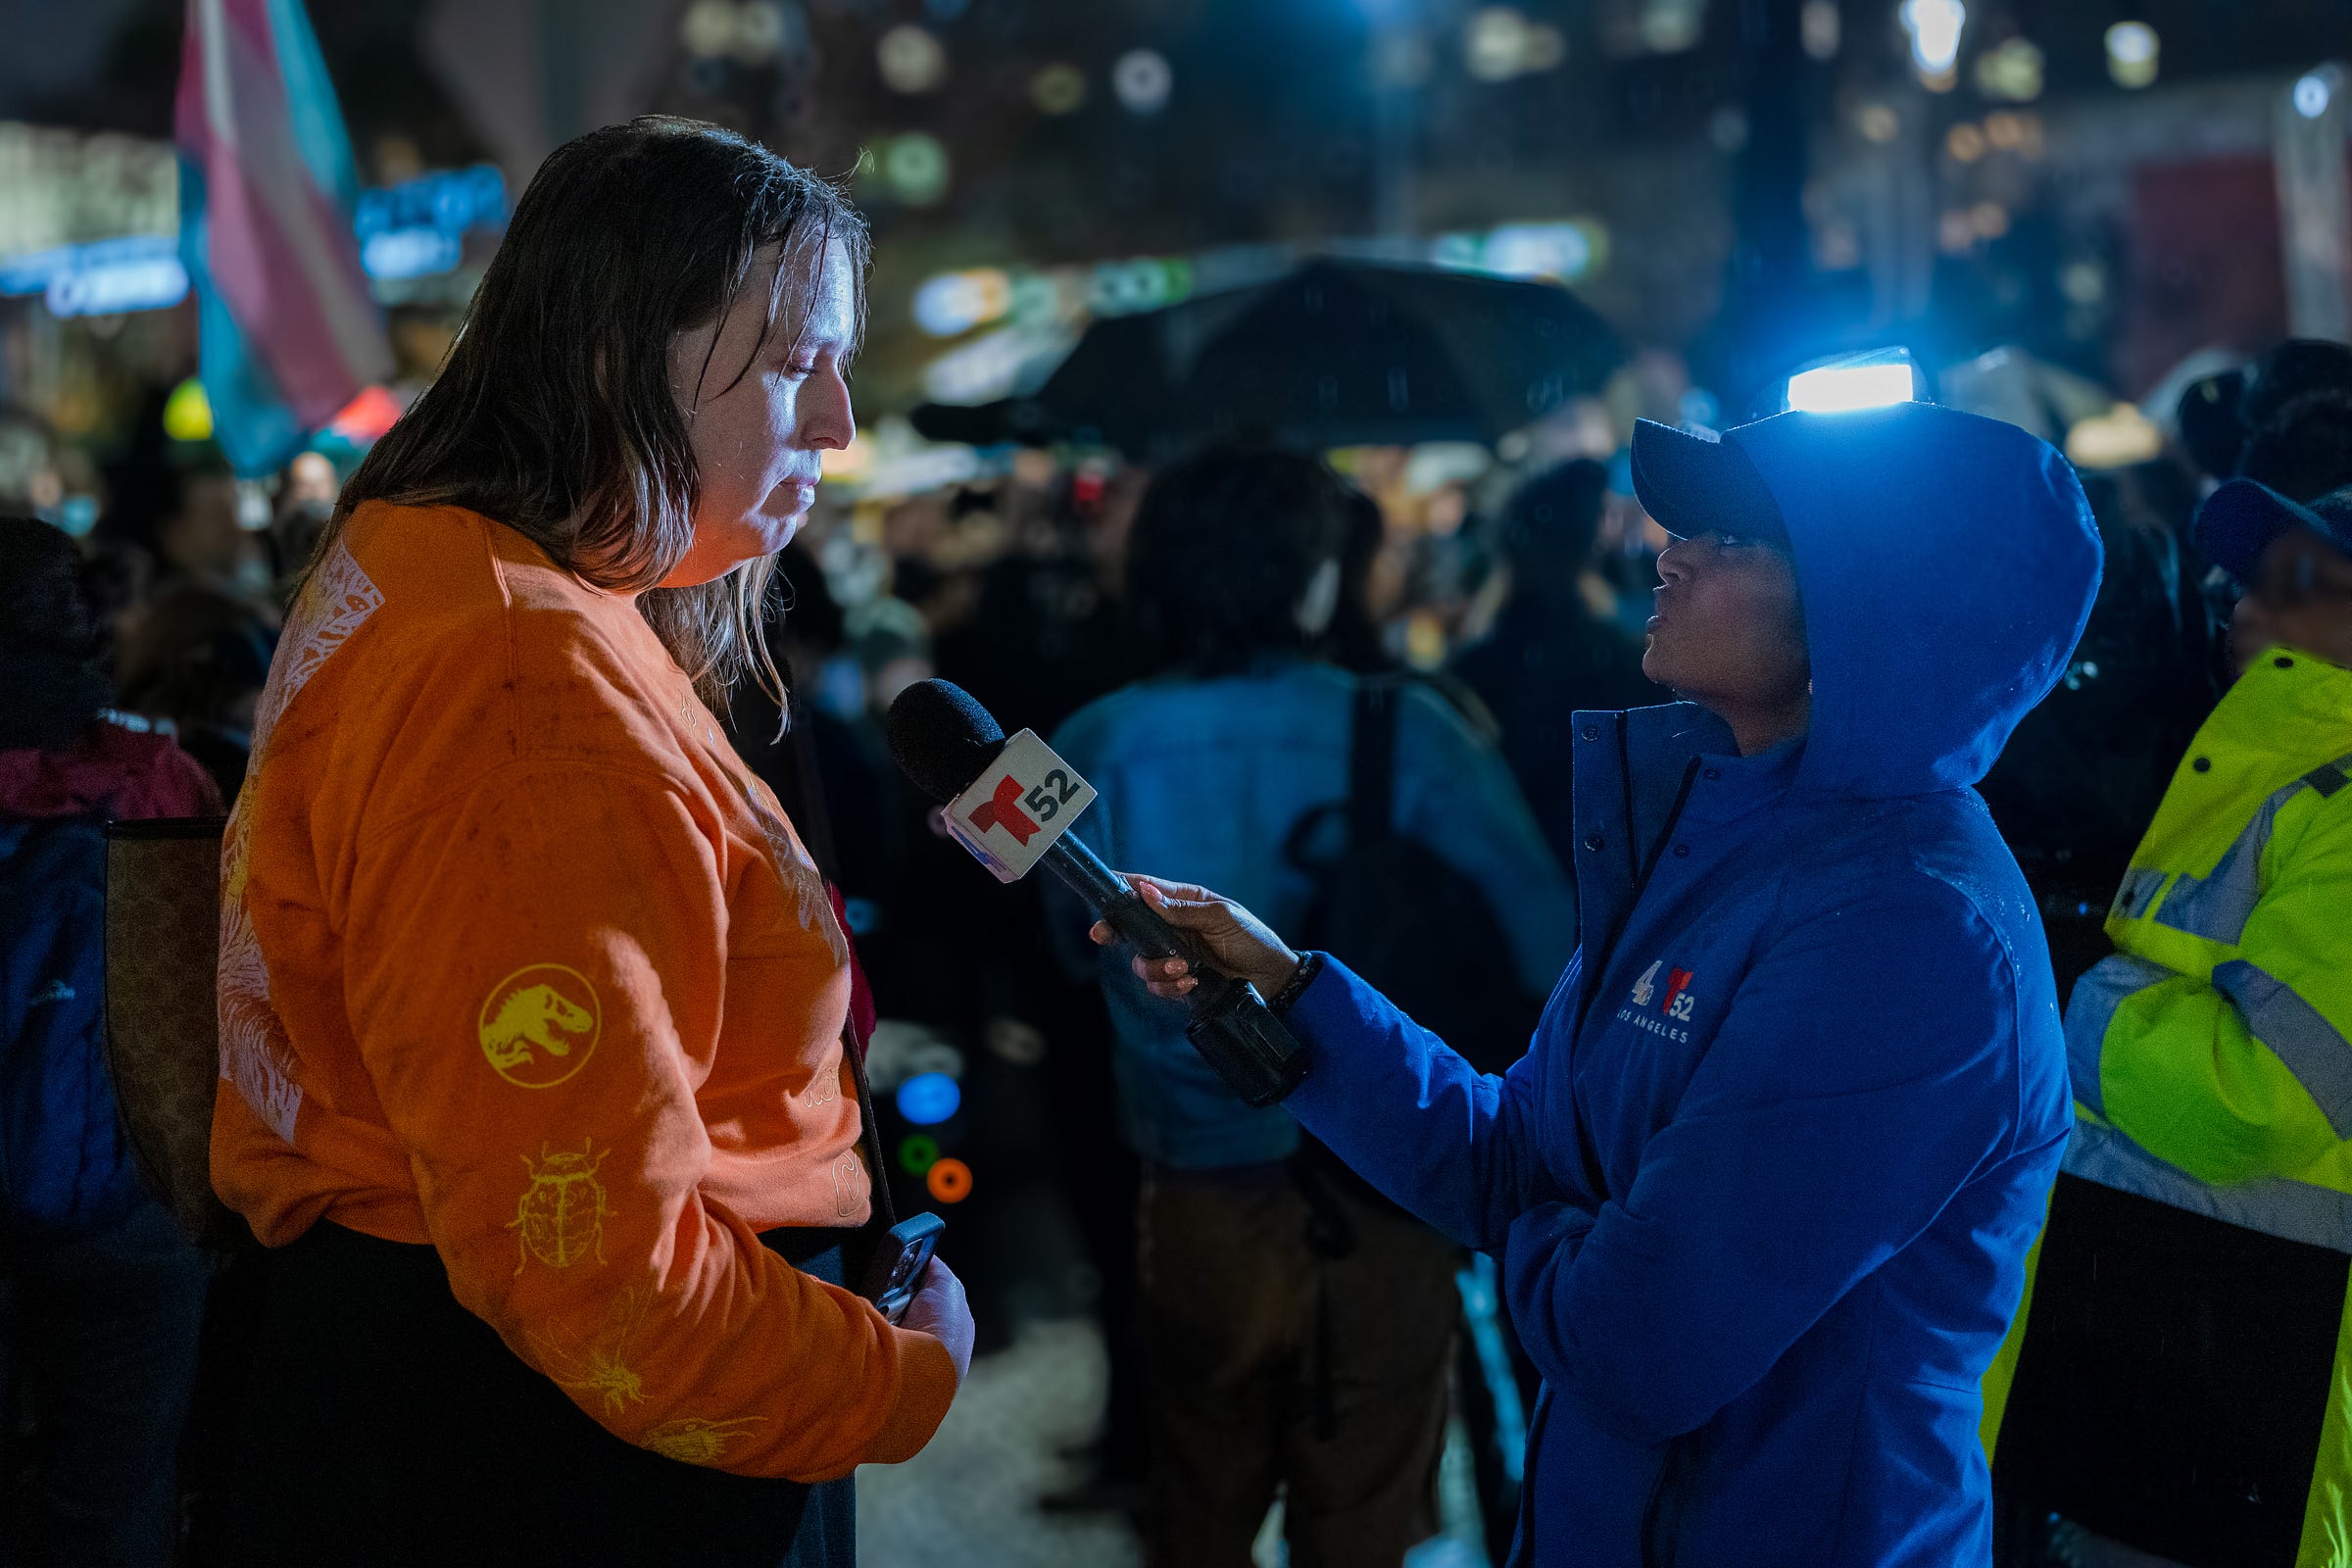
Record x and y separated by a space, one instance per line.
532 1003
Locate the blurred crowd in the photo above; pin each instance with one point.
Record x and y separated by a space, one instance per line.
1488 596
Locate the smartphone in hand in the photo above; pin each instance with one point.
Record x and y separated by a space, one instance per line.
897 1268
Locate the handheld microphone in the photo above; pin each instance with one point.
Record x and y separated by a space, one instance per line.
1012 803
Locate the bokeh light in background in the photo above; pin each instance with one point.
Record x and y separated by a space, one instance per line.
928 1099
2012 71
2315 92
1059 89
1142 79
912 60
1501 42
1820 28
914 168
2131 54
1934 26
949 1181
188 412
951 303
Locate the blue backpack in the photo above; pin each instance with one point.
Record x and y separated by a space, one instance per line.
65 1166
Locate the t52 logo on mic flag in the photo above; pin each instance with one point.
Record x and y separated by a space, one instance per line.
1003 810
1013 814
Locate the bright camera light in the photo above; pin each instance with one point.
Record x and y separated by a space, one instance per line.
2313 94
1846 388
1934 26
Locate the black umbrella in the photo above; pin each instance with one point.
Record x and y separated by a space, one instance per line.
1336 353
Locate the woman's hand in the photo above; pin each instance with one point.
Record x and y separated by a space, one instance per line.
1237 941
940 1310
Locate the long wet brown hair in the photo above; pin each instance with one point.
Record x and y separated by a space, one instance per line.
554 412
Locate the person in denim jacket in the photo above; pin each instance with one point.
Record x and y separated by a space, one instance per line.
1203 767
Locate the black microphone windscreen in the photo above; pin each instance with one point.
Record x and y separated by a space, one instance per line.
941 737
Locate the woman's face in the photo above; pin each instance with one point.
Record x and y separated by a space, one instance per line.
1729 632
758 438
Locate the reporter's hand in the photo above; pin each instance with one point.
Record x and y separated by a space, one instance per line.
1239 942
940 1310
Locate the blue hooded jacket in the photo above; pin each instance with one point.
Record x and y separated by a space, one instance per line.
1763 1188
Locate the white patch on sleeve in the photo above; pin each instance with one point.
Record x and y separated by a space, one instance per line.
256 1055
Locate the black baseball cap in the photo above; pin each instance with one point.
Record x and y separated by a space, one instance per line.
1695 481
2238 522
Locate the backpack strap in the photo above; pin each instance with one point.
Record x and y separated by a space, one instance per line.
1372 762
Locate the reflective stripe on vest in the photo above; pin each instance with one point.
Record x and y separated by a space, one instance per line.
2216 906
2140 884
2091 1008
2320 1057
2291 1211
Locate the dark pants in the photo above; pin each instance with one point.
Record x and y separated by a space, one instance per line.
385 1424
99 1342
1272 1362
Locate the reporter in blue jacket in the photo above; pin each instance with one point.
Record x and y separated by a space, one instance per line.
1763 1187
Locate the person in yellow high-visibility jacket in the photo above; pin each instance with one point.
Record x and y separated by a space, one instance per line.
2180 1376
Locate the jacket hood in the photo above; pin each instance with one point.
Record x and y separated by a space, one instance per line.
1947 564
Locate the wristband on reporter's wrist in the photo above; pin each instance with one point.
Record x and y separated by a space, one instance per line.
1310 964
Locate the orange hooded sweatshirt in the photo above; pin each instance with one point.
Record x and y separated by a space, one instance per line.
520 961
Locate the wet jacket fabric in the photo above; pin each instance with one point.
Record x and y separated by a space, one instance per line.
518 960
66 1168
1202 780
1764 1186
2212 1055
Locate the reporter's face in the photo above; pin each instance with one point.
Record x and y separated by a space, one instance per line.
1729 630
760 416
2300 597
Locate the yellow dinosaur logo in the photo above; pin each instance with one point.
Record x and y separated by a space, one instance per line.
539 1025
561 1213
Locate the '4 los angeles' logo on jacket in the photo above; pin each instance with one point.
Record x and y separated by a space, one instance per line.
1676 1005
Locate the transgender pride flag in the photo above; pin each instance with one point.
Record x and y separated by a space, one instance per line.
287 333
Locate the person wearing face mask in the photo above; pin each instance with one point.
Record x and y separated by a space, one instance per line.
535 1059
1763 1187
2183 1383
1296 1331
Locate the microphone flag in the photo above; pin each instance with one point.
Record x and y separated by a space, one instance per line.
1018 808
